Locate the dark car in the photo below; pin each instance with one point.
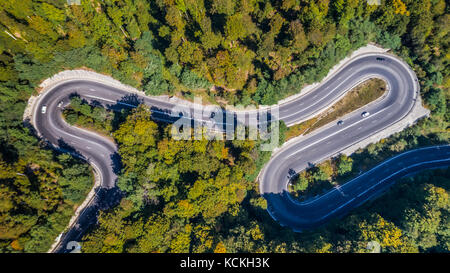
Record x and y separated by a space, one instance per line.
365 114
340 122
291 173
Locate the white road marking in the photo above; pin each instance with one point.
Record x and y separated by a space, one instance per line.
302 149
333 134
322 98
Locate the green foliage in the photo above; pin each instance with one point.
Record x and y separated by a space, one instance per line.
95 117
179 183
37 195
191 80
344 165
196 195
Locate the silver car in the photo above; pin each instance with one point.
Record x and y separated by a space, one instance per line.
365 114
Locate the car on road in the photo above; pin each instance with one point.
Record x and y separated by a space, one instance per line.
380 59
60 104
44 109
291 173
340 122
365 114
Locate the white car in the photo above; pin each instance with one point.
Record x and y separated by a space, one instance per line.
365 114
44 109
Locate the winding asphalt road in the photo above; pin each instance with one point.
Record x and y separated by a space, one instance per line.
328 141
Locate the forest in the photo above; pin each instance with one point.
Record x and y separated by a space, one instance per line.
201 196
234 52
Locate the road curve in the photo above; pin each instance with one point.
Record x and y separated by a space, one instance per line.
340 200
331 139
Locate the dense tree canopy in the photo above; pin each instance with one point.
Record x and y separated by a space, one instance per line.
199 195
175 189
